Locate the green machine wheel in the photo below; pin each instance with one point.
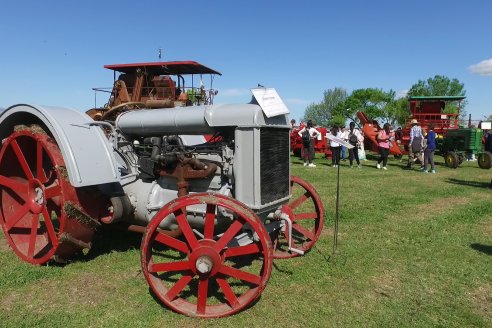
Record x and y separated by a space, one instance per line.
452 160
485 160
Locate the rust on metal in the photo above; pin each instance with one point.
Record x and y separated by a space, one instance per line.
75 212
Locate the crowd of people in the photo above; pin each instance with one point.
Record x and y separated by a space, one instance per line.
421 146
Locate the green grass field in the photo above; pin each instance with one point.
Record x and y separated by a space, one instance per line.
413 250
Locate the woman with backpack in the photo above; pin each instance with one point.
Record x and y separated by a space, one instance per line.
355 138
307 134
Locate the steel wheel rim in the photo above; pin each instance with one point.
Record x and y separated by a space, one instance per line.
312 217
31 228
191 294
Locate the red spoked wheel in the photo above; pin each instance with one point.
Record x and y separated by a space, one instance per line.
209 275
34 196
306 212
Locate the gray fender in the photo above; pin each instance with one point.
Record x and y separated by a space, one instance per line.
87 153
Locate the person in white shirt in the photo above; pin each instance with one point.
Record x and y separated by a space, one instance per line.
307 134
335 146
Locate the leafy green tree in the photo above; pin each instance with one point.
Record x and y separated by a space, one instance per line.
377 104
322 113
441 86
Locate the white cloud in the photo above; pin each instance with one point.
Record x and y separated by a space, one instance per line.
483 68
401 94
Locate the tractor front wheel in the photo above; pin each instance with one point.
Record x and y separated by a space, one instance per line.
213 273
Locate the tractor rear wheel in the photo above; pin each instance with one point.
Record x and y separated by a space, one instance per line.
306 211
485 160
40 213
452 160
211 274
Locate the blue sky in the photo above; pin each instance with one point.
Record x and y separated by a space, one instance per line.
53 52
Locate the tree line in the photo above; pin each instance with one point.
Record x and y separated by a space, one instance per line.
337 105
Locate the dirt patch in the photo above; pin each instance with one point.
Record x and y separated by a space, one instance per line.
481 298
387 284
4 245
439 205
486 227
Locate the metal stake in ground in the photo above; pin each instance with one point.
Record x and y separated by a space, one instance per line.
335 230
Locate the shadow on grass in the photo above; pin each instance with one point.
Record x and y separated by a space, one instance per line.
482 248
470 183
108 239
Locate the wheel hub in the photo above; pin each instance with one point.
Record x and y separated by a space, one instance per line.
205 260
36 197
204 264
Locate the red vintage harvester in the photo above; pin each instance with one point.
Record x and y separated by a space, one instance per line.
426 110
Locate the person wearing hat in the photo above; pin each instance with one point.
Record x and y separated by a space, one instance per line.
416 144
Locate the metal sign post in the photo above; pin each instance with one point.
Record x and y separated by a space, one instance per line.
335 230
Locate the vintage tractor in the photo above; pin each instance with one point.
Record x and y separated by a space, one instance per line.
214 214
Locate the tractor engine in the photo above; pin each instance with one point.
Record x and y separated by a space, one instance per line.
162 154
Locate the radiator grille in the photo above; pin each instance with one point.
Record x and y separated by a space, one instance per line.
274 164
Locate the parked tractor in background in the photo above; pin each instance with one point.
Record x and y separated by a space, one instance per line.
214 214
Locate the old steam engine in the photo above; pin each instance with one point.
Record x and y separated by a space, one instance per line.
214 214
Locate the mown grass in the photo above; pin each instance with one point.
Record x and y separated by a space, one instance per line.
413 250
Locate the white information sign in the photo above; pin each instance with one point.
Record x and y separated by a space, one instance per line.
269 101
339 141
486 125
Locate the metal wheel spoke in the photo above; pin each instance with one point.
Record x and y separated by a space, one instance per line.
202 296
303 231
228 293
228 235
33 237
241 275
170 266
209 221
52 191
301 199
20 188
185 227
22 160
17 216
39 163
305 216
171 242
242 250
178 287
49 227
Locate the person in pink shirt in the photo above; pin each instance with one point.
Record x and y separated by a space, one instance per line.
383 138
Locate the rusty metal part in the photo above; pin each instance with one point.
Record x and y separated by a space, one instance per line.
186 169
141 229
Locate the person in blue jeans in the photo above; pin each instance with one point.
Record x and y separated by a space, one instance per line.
429 150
